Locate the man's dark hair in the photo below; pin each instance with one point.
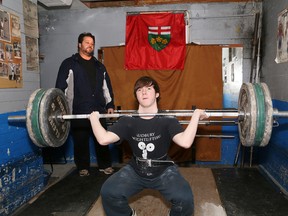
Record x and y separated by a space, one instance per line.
146 81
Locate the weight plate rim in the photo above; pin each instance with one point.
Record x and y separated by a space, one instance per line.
35 118
248 141
30 121
269 115
261 117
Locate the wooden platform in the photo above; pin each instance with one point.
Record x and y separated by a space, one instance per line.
151 203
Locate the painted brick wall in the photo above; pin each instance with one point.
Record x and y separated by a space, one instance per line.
21 166
274 157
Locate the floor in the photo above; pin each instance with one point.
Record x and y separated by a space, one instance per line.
207 201
206 194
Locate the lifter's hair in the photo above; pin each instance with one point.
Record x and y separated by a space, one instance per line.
147 82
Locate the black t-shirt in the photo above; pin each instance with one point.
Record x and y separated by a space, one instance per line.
148 139
90 68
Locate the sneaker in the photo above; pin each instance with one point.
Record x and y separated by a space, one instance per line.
107 171
84 172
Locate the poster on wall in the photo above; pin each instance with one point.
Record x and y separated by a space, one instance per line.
15 26
32 55
30 19
10 51
282 37
32 35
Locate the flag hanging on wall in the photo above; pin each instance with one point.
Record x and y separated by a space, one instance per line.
155 41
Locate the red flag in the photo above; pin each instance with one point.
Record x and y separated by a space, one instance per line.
155 41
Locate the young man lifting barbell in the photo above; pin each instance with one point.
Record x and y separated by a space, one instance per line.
150 167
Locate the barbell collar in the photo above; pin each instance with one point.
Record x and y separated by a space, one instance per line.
16 119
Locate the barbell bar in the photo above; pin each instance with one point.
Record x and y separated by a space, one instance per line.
48 113
176 114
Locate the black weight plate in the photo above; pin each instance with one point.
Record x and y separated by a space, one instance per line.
54 130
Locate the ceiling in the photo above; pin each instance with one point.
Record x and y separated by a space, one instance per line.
122 3
119 3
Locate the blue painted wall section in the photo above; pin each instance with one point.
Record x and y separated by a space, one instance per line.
21 166
274 157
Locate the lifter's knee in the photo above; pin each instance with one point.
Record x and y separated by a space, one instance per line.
182 204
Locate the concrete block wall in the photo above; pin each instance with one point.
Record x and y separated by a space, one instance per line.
21 163
274 157
22 174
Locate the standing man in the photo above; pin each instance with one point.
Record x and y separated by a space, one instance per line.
87 86
149 138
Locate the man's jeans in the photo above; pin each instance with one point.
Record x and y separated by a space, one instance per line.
125 183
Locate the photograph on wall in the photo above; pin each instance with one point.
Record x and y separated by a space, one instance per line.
282 37
2 52
30 19
10 51
2 71
15 21
14 71
16 49
32 55
5 26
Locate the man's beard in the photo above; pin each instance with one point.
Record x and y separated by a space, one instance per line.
91 53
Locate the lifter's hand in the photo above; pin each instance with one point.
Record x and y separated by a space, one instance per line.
201 113
94 116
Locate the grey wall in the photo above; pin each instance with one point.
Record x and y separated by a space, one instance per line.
275 75
211 23
13 99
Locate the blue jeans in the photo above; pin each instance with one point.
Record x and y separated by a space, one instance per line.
125 183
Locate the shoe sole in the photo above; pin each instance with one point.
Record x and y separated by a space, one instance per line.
107 173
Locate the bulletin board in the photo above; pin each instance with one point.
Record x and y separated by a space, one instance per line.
10 51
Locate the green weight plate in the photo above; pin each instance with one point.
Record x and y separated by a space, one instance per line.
269 115
261 115
32 118
247 105
54 130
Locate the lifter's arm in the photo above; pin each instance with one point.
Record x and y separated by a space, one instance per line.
103 136
186 138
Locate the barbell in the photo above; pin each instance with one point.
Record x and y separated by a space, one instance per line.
47 116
